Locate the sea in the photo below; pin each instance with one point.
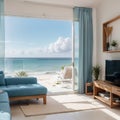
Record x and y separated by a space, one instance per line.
33 65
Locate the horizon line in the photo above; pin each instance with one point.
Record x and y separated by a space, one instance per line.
38 57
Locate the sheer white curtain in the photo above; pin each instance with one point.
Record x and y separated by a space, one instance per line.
2 35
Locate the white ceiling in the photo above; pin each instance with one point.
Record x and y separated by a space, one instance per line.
51 9
67 3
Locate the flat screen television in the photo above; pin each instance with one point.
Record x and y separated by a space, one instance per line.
112 71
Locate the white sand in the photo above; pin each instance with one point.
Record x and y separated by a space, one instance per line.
53 83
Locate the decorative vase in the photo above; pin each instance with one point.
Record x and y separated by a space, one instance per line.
108 45
113 48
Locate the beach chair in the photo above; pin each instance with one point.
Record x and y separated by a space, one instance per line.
65 76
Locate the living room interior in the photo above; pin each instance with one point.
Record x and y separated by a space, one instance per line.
101 51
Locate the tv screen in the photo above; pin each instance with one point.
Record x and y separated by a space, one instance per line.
112 71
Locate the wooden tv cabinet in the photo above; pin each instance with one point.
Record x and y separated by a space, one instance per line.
102 88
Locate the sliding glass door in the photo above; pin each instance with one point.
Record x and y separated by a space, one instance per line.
2 35
75 55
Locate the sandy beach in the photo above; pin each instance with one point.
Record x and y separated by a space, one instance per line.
54 83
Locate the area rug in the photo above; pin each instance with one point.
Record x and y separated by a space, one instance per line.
60 104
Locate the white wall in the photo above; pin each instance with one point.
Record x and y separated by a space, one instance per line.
107 10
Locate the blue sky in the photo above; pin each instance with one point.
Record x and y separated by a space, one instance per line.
33 37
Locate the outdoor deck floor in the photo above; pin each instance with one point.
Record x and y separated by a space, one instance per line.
54 84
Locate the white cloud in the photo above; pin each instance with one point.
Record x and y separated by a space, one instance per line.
61 45
60 48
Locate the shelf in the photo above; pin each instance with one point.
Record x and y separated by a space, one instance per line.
106 34
106 101
112 51
116 104
86 88
112 20
101 86
103 100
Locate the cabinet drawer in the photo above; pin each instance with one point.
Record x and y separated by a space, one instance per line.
116 91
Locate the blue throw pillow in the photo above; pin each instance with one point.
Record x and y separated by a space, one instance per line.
1 72
2 81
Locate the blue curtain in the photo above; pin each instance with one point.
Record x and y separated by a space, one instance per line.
2 35
83 18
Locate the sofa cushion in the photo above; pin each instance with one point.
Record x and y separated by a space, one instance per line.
24 90
1 72
2 81
5 111
22 80
4 107
4 116
4 97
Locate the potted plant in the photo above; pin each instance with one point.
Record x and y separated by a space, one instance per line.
21 74
96 72
114 45
62 68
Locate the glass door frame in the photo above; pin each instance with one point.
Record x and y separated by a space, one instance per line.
73 57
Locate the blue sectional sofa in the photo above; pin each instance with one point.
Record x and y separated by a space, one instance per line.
19 89
4 106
